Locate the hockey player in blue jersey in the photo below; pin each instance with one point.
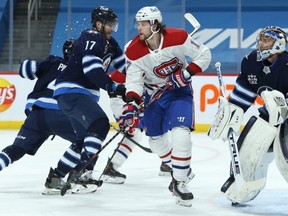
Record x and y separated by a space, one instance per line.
264 72
78 88
43 115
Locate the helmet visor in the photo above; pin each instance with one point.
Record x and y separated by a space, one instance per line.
113 24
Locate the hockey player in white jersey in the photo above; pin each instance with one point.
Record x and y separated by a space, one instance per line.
156 59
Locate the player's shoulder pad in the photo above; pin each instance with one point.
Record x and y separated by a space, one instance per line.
114 42
251 56
54 58
136 49
91 34
174 36
284 56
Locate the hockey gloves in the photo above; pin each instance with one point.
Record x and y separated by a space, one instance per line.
178 79
228 116
116 89
129 118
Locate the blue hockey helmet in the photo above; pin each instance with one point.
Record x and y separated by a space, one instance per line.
104 15
67 48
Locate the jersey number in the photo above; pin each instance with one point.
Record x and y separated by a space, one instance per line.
90 45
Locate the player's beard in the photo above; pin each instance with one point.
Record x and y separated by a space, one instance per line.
108 35
143 37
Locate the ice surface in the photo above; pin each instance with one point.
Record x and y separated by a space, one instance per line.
144 192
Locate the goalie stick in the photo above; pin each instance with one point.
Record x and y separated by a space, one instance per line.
235 159
91 159
157 93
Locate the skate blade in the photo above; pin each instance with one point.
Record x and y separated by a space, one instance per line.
52 191
161 173
83 189
185 203
111 180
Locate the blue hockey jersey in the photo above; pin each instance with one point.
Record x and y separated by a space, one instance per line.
87 67
257 76
46 72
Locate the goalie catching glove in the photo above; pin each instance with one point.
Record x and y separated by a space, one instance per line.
276 106
228 116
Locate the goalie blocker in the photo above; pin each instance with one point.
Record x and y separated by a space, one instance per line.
255 156
228 116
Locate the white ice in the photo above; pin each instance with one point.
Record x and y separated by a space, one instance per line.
144 192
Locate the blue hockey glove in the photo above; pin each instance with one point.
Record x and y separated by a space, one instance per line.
178 79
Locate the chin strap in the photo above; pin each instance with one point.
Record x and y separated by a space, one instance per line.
153 33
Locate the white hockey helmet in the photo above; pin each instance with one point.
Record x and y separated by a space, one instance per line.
279 45
149 13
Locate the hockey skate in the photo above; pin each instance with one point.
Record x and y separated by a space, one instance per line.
54 184
190 176
111 175
83 183
183 196
165 170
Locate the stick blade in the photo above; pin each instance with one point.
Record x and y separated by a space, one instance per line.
192 20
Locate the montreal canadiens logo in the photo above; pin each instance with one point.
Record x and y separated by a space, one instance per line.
7 94
168 67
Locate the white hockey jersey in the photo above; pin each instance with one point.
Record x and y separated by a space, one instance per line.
150 68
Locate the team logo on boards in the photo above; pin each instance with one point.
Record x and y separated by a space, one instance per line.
7 94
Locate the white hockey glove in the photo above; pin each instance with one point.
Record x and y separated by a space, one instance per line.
276 106
228 116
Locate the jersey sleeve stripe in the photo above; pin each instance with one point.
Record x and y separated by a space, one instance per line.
245 91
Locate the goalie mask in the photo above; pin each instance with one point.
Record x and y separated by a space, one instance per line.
67 48
106 16
271 40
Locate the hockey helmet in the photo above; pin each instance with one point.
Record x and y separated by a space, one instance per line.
279 45
149 13
105 15
67 48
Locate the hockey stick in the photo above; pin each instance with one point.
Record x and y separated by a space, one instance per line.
91 159
132 140
193 21
157 93
110 159
236 167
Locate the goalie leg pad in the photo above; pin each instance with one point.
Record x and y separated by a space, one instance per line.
254 160
281 150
